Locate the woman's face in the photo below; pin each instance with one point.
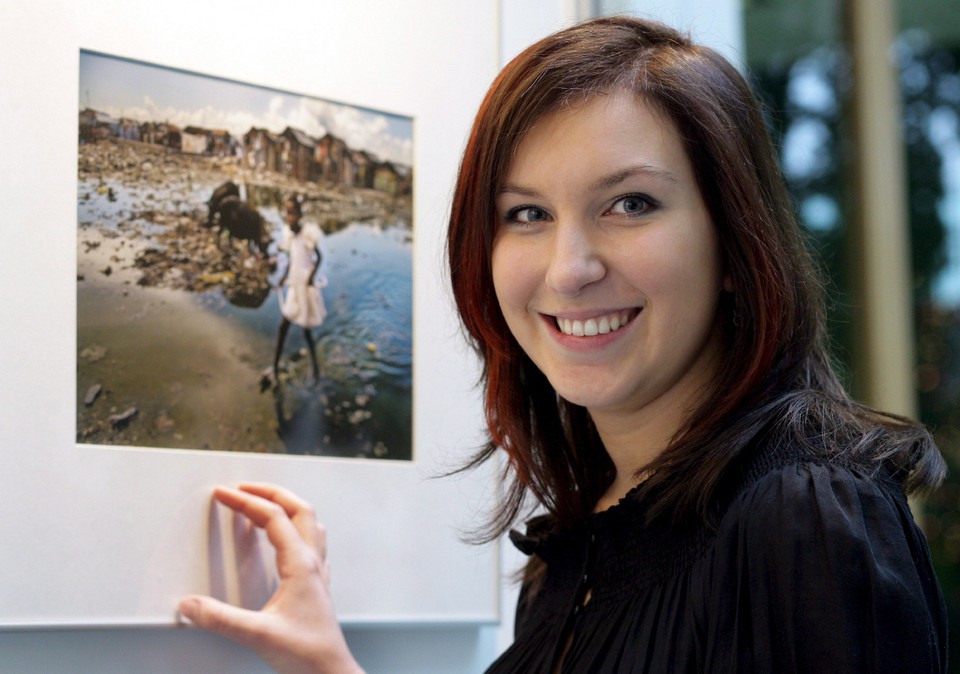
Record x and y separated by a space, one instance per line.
606 263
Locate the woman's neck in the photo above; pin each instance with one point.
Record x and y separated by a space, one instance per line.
632 444
636 436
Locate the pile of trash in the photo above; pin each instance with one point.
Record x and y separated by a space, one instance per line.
192 257
145 166
158 196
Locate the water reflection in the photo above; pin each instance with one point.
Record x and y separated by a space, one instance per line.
362 404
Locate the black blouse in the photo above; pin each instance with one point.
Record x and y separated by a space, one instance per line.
812 567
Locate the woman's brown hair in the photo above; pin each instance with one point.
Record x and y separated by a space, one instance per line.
775 354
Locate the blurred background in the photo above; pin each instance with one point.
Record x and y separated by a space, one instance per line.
864 104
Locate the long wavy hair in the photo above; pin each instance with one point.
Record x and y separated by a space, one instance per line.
776 362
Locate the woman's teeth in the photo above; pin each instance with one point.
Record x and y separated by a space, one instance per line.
600 325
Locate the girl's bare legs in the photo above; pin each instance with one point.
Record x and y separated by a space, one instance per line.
281 338
313 353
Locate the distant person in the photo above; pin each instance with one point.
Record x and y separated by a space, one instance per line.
301 302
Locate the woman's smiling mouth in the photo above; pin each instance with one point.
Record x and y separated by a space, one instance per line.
597 325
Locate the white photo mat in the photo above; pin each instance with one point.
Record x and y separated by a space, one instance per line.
114 535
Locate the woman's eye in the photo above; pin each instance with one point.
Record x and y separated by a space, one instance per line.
631 205
526 214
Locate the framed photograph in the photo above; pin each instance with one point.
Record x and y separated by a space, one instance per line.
159 177
244 267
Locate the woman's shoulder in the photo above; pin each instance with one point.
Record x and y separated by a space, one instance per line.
806 433
839 576
788 481
826 528
810 426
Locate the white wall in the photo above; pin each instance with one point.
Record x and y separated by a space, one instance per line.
377 53
715 23
29 33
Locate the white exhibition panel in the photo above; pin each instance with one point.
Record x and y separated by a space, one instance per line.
113 536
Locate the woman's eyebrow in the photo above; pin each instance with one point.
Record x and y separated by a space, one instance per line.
618 177
605 182
519 190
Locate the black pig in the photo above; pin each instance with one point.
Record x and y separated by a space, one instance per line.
237 217
227 189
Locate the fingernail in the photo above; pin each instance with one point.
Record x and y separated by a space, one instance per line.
187 610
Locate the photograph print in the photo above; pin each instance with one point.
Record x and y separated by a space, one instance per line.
244 267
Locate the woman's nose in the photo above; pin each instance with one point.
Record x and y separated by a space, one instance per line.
574 260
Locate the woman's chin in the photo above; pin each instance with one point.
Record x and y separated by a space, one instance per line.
591 399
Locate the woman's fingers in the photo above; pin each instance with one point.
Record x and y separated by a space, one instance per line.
240 625
300 512
297 630
292 546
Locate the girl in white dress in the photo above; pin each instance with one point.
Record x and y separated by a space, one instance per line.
300 299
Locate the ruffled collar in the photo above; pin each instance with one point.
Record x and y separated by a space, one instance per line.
544 537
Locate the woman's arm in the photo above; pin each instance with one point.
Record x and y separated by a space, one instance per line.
297 630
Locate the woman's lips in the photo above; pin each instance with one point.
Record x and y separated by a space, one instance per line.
595 325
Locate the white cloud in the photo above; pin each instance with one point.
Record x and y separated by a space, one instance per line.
360 129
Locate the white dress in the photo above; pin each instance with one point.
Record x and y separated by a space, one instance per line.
301 302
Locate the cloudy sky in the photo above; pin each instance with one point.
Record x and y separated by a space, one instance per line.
144 92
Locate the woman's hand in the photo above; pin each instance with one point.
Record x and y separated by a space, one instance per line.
297 630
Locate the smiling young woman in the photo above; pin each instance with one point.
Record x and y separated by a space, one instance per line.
713 499
601 222
627 266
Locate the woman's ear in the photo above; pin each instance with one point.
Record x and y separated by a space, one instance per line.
727 283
